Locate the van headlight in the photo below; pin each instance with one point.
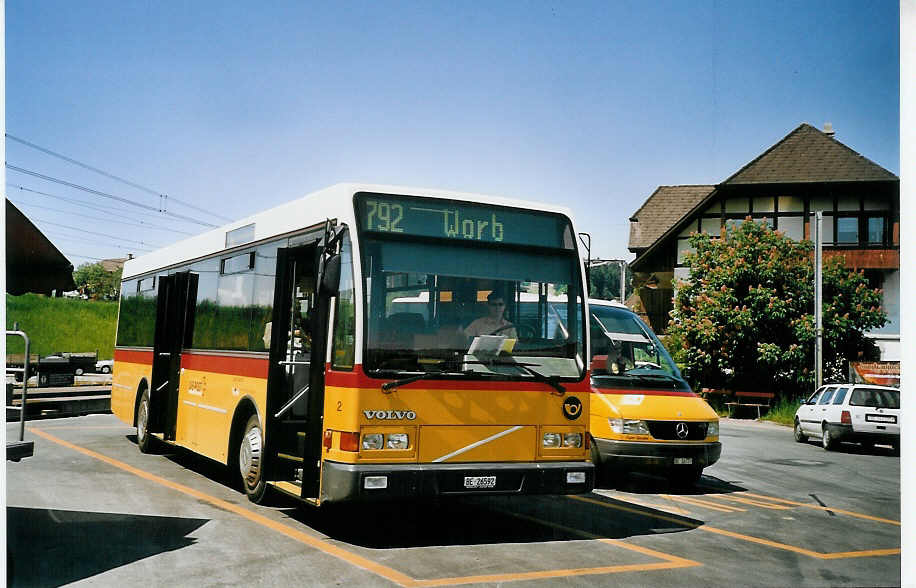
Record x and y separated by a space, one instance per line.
628 427
712 429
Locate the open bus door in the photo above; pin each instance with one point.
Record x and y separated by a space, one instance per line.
295 386
175 305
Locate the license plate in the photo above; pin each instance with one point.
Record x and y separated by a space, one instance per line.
480 481
683 460
880 418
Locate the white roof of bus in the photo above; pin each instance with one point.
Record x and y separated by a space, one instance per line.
334 202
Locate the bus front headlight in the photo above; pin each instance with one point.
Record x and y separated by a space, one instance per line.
572 440
551 440
372 441
397 441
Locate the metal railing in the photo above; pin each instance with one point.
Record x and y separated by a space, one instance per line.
25 380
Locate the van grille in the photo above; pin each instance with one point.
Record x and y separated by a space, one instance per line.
667 430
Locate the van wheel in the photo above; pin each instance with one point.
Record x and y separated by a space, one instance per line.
828 442
800 436
145 441
251 461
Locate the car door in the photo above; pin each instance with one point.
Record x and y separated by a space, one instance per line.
822 410
805 412
834 408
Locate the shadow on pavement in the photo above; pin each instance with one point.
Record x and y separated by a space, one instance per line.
645 483
54 547
488 520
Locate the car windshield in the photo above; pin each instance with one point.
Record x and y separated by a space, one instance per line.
875 397
471 310
625 352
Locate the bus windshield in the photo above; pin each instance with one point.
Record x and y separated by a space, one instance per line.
466 310
625 352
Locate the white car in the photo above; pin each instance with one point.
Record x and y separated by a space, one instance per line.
860 413
104 366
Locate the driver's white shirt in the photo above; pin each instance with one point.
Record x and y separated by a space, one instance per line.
487 326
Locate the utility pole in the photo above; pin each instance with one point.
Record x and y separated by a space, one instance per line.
818 299
623 280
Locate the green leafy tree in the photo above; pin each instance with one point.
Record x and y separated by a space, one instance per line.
745 316
96 282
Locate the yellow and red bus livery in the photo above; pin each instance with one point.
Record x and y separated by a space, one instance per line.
275 345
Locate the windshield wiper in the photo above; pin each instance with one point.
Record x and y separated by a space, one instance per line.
387 387
552 381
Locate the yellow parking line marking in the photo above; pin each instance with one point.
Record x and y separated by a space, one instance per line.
769 505
704 504
749 538
819 507
665 507
361 562
669 561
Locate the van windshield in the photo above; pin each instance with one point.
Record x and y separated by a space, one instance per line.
626 353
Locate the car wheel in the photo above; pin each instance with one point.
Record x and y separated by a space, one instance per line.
105 369
685 477
800 436
251 461
827 440
145 440
78 371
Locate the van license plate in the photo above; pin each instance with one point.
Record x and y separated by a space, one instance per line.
480 481
683 460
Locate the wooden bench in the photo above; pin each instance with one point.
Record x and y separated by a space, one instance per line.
763 400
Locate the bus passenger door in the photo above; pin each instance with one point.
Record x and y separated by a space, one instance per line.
291 418
175 307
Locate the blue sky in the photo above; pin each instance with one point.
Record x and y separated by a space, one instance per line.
592 105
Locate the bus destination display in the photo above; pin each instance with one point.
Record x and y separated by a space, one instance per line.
384 213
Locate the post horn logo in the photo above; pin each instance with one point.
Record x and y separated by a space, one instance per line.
572 408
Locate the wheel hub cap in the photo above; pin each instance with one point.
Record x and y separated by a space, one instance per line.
250 456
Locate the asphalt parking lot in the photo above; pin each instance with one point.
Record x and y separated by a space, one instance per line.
89 507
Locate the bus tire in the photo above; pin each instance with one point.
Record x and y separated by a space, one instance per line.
145 440
251 461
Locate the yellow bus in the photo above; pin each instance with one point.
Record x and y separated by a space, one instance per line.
275 345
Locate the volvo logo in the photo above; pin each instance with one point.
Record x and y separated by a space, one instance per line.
681 430
572 408
390 414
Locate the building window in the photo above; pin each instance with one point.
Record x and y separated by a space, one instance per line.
847 230
792 226
877 230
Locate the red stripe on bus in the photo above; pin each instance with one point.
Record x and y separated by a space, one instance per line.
358 379
130 356
251 367
641 392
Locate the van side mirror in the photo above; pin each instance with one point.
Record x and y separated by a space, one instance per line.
330 279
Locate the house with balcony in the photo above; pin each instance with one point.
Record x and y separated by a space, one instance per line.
809 170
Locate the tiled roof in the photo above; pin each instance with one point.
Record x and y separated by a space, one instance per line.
666 206
809 155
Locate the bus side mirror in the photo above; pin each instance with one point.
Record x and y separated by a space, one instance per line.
330 280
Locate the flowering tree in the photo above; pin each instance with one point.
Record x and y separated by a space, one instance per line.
745 315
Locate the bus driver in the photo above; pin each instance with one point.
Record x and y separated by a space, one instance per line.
493 323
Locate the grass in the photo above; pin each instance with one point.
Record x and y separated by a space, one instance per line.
783 412
62 324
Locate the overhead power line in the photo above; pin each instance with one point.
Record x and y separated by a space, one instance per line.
94 233
164 197
106 195
136 222
85 242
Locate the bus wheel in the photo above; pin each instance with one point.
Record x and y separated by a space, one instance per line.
251 461
145 441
